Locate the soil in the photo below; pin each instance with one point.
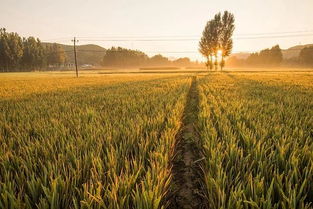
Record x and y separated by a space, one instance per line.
188 189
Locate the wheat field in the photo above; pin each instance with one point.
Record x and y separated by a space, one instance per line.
108 141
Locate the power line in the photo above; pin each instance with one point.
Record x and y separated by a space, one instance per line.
190 37
143 39
194 39
171 52
275 33
275 36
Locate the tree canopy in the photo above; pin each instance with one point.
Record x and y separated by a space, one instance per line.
217 40
121 57
266 57
17 53
306 56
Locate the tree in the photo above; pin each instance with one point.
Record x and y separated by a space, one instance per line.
33 54
226 42
121 57
216 34
266 57
40 55
217 37
183 62
11 50
276 55
59 55
55 55
30 57
253 59
206 47
3 49
158 60
17 52
306 56
15 49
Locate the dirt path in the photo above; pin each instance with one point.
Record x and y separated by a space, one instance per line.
187 184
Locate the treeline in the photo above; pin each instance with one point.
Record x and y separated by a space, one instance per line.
121 57
22 54
273 57
305 58
265 58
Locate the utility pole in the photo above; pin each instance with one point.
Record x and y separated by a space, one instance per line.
74 40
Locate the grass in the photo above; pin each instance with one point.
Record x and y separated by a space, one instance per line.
257 136
160 68
107 140
105 145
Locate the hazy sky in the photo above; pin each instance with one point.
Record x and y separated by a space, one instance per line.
59 20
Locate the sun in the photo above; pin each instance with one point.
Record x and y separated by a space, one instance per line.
219 55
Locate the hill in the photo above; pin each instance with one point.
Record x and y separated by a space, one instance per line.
294 51
291 52
86 54
241 55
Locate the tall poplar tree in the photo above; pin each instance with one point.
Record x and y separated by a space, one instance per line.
206 44
226 42
217 37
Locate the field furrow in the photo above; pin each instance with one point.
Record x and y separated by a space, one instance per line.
187 188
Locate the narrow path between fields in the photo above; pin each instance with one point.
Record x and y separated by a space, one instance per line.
187 188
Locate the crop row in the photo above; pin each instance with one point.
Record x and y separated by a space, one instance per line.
257 138
101 146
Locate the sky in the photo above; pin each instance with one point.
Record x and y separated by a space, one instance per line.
259 23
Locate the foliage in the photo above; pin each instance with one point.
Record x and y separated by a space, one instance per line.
306 56
121 57
206 44
226 42
266 57
18 53
124 57
55 55
33 53
217 35
158 60
11 49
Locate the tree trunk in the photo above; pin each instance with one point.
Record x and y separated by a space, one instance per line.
216 63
